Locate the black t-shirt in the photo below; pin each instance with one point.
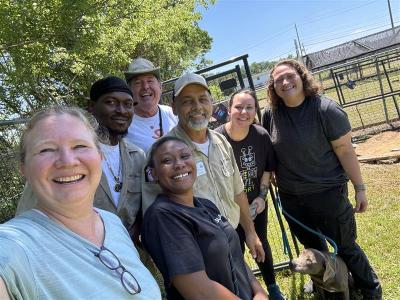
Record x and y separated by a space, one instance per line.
254 155
301 137
183 240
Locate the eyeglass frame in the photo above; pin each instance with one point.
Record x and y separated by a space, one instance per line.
120 266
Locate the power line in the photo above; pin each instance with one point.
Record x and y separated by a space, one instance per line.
345 35
335 13
346 26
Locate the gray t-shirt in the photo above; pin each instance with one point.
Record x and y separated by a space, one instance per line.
41 259
301 139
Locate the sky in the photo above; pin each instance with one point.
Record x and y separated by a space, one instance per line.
265 29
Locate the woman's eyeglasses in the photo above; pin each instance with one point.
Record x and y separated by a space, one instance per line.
111 261
288 77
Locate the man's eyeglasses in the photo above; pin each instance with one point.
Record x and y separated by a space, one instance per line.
111 261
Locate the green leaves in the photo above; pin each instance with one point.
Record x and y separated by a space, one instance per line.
52 51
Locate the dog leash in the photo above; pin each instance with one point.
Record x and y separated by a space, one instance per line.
319 234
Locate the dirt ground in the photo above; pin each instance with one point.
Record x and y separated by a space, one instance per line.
382 146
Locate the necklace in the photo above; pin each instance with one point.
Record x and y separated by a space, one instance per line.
117 178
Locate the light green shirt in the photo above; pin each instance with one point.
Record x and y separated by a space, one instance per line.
41 259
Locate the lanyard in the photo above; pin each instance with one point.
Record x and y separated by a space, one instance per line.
160 121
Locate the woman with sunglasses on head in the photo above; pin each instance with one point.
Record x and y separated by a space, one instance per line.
64 248
255 159
195 248
311 136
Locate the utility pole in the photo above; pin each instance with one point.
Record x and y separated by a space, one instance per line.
297 50
298 39
390 13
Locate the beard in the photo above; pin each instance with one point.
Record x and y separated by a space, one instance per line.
198 125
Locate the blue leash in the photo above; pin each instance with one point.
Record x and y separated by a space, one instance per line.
319 234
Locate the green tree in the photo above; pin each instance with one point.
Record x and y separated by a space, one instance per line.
52 50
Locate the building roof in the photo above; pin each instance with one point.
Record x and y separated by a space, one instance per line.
357 48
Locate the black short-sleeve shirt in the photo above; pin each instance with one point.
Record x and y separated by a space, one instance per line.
254 155
183 240
301 137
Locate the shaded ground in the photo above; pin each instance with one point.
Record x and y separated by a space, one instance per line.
382 146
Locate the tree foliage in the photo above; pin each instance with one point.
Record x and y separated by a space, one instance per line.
53 50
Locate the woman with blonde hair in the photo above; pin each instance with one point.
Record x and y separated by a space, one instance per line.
311 136
65 248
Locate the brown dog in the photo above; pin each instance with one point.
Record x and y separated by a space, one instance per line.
327 271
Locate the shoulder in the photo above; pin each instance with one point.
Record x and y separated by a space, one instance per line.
18 234
217 138
326 104
177 131
259 130
165 108
159 206
330 109
220 129
130 147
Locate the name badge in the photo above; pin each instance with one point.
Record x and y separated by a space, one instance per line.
201 169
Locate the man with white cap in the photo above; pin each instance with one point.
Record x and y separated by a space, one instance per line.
151 120
218 177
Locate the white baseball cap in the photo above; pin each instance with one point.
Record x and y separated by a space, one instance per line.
186 79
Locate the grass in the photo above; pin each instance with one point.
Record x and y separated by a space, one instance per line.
378 233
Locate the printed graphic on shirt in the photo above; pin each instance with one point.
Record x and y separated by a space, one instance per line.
249 168
156 132
218 218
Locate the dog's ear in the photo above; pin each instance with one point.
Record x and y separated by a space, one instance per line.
330 267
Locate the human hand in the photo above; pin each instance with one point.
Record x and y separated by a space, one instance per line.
255 246
260 204
361 202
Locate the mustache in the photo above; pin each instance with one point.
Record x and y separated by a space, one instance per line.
196 113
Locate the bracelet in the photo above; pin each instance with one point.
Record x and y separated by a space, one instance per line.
359 187
262 195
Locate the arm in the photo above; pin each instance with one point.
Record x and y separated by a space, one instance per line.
252 240
258 292
264 186
199 286
3 290
344 150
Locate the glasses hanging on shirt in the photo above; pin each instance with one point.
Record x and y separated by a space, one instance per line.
111 261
